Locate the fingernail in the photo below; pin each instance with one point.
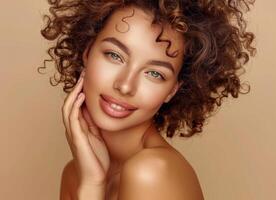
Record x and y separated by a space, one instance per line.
80 95
80 79
83 72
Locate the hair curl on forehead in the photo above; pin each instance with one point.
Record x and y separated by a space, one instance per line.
217 46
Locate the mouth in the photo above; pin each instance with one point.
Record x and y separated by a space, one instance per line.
115 108
118 104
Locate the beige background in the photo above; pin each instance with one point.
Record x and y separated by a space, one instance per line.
235 158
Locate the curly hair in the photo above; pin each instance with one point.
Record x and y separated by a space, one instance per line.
217 46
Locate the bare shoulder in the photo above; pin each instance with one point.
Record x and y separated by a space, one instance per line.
159 173
69 183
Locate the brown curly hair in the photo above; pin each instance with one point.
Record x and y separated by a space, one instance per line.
217 46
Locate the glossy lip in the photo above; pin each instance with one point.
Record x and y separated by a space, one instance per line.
107 109
120 103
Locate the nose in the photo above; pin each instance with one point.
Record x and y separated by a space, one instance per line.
126 83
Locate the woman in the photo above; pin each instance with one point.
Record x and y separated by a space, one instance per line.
142 67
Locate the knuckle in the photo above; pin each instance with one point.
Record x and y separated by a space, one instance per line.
64 112
74 146
71 117
64 107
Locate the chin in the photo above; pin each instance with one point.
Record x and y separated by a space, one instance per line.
108 124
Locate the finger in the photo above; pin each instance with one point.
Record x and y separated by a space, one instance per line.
66 111
86 115
91 124
80 77
80 142
73 95
67 106
83 122
77 132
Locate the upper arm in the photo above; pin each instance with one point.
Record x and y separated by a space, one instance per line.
68 182
152 177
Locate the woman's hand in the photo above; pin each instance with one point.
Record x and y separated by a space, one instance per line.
84 138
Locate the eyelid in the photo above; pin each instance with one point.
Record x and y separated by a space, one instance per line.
109 52
159 72
162 77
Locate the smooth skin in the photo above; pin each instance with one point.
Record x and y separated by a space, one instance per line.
87 146
157 171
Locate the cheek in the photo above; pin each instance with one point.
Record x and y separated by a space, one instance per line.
152 97
99 72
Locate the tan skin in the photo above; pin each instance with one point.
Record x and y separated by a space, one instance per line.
124 159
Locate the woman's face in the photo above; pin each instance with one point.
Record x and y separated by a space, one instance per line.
126 63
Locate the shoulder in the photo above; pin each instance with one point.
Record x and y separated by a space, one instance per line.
159 173
159 158
69 183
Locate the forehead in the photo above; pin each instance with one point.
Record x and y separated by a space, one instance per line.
134 28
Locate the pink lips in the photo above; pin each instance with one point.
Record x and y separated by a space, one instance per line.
105 104
120 103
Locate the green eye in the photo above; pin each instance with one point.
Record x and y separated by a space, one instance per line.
157 75
114 56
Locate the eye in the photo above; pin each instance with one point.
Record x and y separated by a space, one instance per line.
156 75
113 55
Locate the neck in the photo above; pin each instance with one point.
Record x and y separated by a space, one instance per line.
123 144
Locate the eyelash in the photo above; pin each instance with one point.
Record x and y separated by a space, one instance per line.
112 54
161 77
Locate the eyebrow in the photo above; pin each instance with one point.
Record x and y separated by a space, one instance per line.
124 48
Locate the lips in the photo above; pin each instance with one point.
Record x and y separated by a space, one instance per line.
111 110
118 102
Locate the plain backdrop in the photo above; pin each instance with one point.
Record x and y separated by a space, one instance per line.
234 157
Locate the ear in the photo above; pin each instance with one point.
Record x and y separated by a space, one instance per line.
85 56
174 90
